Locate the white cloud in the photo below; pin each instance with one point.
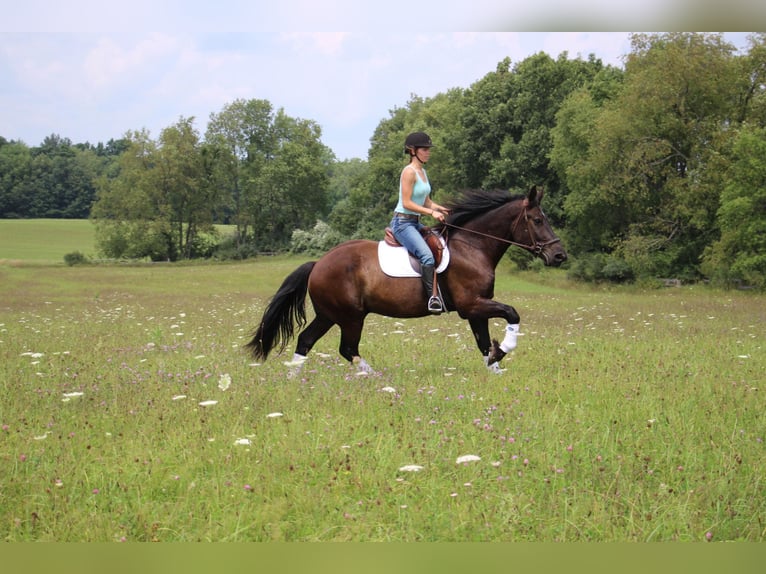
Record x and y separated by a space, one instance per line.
96 86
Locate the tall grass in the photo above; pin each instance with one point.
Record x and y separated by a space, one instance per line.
624 415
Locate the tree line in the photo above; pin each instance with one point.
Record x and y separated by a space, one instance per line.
654 169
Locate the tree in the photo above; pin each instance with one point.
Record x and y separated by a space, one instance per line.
15 191
244 127
739 256
126 214
278 181
291 190
644 190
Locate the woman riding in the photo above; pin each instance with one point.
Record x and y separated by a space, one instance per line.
415 201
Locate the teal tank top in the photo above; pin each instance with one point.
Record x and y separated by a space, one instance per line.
420 192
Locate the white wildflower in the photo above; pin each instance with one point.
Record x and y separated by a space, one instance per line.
274 415
178 397
411 468
467 458
224 382
388 390
73 394
245 441
207 403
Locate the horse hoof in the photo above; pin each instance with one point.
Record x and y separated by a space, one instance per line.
495 353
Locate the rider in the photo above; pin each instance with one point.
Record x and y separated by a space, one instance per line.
414 201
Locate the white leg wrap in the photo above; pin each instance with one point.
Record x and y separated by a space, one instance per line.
363 367
509 342
294 367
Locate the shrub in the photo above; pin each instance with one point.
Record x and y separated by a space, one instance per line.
76 258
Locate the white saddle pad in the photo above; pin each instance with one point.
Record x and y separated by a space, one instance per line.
395 261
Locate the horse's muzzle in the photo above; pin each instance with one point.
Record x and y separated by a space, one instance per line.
553 254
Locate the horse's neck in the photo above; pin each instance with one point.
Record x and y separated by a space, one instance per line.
489 234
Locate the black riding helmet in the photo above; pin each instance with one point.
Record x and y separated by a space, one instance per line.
416 140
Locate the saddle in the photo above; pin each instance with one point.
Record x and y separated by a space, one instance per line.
432 240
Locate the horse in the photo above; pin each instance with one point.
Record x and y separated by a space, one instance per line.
346 284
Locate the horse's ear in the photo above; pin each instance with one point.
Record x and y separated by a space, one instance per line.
535 195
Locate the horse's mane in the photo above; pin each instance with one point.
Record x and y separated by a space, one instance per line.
473 202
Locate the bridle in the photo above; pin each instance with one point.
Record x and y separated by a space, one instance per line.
535 248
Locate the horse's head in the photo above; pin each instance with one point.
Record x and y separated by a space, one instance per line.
532 231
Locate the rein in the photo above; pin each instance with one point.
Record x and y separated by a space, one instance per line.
536 247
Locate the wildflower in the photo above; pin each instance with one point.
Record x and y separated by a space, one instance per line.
467 458
708 536
224 382
207 403
388 390
248 488
274 415
73 394
411 468
96 491
178 397
245 441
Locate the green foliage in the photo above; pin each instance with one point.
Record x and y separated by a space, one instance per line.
600 267
279 180
76 258
643 167
316 242
739 256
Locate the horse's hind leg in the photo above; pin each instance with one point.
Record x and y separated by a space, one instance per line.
350 336
311 334
306 341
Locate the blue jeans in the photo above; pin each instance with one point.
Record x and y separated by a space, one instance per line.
407 232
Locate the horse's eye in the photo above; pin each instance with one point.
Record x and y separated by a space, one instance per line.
538 221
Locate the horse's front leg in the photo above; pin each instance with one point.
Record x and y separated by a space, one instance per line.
479 316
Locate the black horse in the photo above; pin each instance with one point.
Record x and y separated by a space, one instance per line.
347 283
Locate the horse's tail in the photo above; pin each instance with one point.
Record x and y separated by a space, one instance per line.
286 309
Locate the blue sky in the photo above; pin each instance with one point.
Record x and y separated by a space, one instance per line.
86 72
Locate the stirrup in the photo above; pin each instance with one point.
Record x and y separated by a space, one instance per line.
435 305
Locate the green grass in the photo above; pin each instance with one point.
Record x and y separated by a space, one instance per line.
45 240
624 415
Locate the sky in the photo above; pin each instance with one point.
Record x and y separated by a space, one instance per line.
90 72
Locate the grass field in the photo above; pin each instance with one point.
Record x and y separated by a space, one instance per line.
45 240
130 413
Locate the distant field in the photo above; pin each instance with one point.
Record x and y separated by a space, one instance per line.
48 240
45 240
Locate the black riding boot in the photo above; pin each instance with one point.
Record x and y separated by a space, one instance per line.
435 304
